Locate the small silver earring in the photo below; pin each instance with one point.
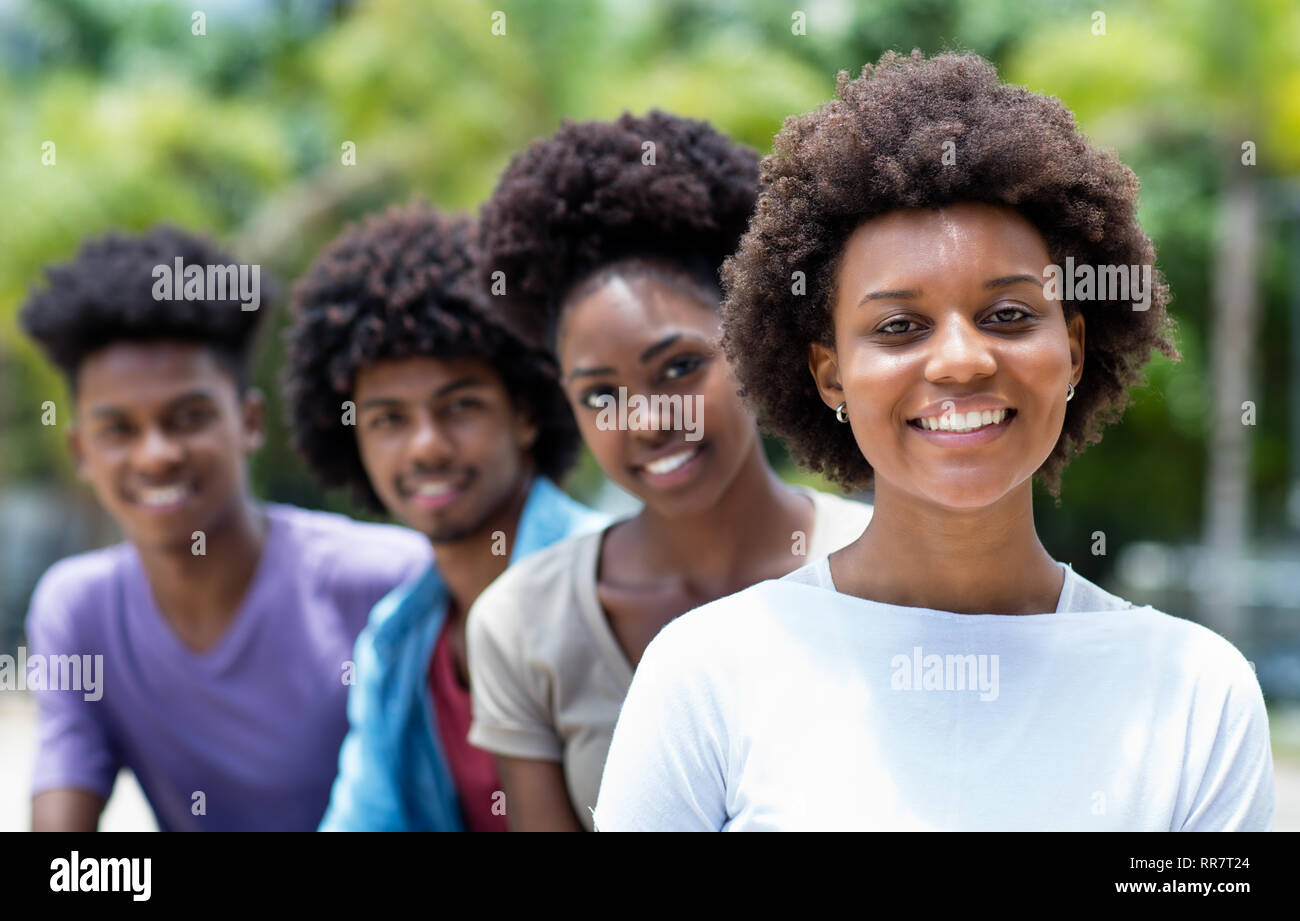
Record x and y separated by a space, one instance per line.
1069 394
839 412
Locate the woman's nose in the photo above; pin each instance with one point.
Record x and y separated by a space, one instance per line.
959 351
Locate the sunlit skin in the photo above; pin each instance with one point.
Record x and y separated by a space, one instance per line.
721 524
651 338
728 524
150 418
448 426
944 305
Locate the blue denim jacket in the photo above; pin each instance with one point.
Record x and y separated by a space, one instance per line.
393 772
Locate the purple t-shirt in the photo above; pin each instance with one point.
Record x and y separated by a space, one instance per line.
253 724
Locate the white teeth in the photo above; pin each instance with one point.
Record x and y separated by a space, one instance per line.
165 495
433 489
671 462
963 422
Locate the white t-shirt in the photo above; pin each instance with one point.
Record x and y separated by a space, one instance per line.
547 671
791 706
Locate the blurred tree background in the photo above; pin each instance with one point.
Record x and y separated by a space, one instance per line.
239 132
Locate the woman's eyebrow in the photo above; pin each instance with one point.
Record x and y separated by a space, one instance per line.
1011 280
659 346
906 293
589 372
891 295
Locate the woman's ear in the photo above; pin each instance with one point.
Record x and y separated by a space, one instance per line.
1075 330
825 370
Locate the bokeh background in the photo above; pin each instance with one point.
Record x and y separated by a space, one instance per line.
239 132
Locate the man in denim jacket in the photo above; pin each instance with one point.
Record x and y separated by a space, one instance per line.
402 384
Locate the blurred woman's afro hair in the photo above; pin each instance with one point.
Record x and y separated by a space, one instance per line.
660 188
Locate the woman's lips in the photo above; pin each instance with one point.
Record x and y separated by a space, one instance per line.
672 469
951 439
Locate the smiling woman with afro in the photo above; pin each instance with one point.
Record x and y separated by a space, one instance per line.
927 357
879 147
610 236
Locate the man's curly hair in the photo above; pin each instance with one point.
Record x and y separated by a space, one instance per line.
105 295
402 284
876 148
588 197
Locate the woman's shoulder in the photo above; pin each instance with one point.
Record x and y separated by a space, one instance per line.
1198 650
744 618
816 572
1081 596
1078 593
1165 641
541 587
837 520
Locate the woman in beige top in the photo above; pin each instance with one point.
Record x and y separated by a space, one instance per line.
610 236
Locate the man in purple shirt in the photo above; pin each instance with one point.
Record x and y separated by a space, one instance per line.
214 644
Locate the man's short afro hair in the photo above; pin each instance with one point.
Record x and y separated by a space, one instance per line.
105 295
877 148
590 195
402 284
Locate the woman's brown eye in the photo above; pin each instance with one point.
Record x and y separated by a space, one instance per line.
904 323
1023 313
592 398
682 367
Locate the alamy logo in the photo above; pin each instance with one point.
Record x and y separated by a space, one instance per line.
53 673
654 412
102 874
181 282
1099 283
933 672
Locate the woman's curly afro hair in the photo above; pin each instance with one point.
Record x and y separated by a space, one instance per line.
876 148
402 284
106 295
658 188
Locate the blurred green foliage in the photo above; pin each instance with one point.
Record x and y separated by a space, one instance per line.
239 132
